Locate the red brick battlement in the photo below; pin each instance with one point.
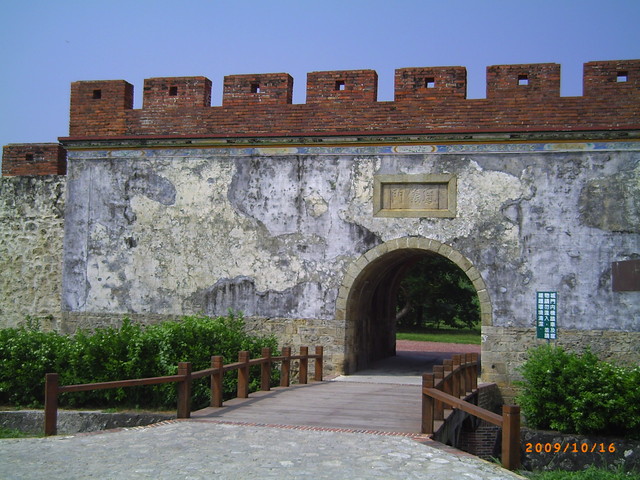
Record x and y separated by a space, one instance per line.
427 101
520 98
33 159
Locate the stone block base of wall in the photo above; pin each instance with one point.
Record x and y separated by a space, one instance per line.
504 350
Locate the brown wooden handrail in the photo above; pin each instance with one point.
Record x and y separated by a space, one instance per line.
185 377
456 378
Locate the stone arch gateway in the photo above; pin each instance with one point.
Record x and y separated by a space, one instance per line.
300 214
367 295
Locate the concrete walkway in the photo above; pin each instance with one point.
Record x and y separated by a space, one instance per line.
194 450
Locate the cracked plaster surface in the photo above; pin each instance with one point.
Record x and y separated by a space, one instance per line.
273 235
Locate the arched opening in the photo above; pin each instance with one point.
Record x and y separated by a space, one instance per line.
368 297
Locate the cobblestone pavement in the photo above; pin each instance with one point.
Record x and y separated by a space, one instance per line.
194 450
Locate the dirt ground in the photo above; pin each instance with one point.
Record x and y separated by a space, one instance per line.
428 347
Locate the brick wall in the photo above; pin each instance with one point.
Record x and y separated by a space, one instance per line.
34 159
479 437
484 441
520 98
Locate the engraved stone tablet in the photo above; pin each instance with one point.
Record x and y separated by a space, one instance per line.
414 196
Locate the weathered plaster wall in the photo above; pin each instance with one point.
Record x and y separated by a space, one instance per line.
31 235
169 234
271 232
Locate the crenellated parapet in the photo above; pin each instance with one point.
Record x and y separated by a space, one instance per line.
427 101
430 100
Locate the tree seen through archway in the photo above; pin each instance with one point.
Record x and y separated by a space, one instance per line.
435 293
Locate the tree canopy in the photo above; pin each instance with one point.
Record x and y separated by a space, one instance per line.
436 293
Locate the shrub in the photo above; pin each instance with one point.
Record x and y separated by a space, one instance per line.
579 394
26 355
130 351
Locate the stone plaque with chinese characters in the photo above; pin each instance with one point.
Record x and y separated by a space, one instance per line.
414 196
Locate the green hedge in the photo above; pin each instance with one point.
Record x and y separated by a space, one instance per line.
131 351
579 394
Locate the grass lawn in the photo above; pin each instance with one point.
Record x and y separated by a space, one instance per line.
469 336
10 433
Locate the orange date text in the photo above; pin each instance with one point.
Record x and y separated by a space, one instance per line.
570 447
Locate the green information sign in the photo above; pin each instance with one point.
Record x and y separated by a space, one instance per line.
547 315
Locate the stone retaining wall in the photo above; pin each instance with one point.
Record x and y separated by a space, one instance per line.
577 452
71 422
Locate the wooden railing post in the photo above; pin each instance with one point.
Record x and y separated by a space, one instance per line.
448 368
304 365
286 367
468 372
456 379
51 404
511 436
319 363
474 371
184 390
216 381
243 375
427 404
265 370
438 375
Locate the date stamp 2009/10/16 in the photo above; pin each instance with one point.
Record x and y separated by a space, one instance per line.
570 448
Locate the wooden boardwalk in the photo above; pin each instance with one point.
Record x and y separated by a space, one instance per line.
384 407
385 398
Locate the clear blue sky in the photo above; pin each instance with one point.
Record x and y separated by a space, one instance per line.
47 44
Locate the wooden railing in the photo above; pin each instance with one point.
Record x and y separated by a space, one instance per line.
185 376
456 378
